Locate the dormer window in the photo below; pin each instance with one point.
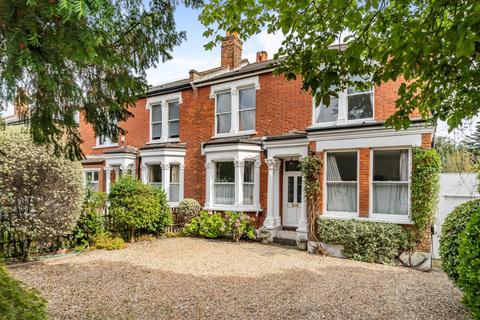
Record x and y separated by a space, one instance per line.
164 117
351 105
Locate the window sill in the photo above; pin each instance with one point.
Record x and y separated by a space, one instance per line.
238 134
372 218
340 123
345 215
226 207
173 140
106 146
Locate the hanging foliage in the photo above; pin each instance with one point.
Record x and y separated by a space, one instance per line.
310 167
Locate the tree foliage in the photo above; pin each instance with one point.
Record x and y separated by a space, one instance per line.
40 194
432 46
456 157
59 57
472 141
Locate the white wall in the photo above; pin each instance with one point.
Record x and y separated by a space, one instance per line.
455 189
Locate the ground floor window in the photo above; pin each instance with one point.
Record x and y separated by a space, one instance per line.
174 183
155 174
342 181
91 180
248 182
390 182
224 187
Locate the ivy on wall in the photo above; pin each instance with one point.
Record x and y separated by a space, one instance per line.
311 166
424 191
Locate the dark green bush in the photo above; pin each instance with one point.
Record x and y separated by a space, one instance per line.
17 302
452 228
215 225
106 241
135 205
363 240
469 265
91 221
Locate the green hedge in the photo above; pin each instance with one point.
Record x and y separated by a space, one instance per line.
18 302
469 265
364 240
452 229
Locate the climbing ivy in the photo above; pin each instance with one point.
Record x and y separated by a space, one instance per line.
311 166
424 190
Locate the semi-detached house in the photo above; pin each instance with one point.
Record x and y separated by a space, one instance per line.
232 138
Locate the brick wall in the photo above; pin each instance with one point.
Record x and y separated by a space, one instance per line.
385 96
364 182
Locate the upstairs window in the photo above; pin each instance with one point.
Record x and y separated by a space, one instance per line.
224 112
390 182
156 122
360 102
173 119
224 187
247 109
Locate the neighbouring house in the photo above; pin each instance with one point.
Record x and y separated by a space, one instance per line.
232 137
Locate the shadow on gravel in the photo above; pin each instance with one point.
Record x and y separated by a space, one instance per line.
104 290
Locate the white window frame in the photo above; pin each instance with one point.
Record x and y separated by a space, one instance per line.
164 100
223 113
173 120
85 172
174 183
247 110
393 218
152 123
108 143
248 183
215 183
234 87
342 116
156 184
325 193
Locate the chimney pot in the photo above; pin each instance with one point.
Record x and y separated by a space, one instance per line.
262 56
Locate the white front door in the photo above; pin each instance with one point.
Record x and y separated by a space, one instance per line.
292 198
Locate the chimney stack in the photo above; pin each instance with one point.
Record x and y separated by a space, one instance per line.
262 56
231 51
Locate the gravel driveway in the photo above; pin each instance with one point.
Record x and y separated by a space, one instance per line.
186 278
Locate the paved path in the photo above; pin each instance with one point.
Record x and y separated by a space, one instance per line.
186 278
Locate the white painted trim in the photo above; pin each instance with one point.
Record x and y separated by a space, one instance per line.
369 219
325 199
163 101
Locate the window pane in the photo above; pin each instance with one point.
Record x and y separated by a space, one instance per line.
223 123
299 189
352 90
247 99
225 172
173 110
174 173
290 189
292 165
360 106
327 114
390 198
173 129
390 165
156 131
248 171
174 192
95 176
224 193
156 113
224 102
155 173
342 166
341 197
247 120
94 186
247 193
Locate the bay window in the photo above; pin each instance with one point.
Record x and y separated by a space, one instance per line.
390 182
174 182
224 183
91 180
248 182
155 175
342 182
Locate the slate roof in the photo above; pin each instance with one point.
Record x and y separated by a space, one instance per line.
122 149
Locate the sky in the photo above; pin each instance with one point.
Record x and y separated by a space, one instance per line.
191 54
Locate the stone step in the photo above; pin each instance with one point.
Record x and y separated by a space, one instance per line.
285 242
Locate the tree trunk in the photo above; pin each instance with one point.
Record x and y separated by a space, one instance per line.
132 235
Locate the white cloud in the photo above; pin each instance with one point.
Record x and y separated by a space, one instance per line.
263 41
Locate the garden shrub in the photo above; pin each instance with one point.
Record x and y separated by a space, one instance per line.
91 221
188 209
40 194
469 265
363 240
18 302
215 225
106 241
452 229
136 205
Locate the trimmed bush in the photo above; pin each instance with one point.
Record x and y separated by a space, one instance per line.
136 205
108 242
452 229
363 240
40 194
469 265
188 209
18 302
215 225
91 221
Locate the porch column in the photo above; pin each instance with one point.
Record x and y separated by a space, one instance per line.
108 171
238 183
208 184
272 220
117 172
256 185
181 181
166 179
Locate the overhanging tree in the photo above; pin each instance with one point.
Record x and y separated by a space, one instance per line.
433 46
59 57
